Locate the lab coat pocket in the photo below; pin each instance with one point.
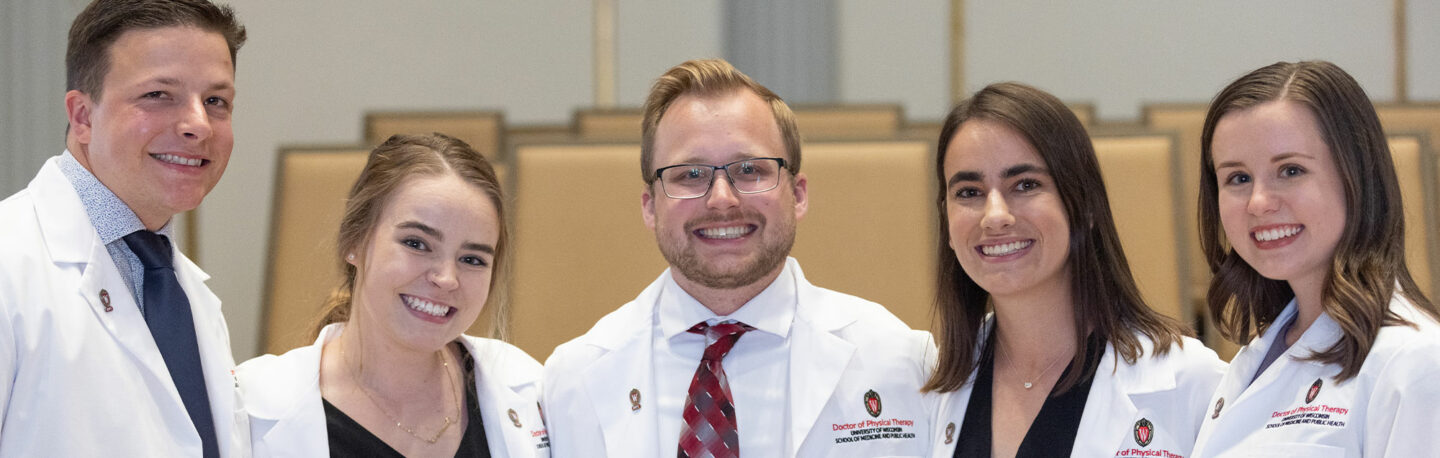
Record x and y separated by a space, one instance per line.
1295 450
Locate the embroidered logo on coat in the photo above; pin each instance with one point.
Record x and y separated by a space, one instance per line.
514 417
1314 391
634 399
105 300
950 433
872 403
1144 432
1219 404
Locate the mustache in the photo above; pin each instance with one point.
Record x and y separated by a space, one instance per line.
731 215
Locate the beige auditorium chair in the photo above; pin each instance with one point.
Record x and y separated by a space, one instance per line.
311 185
1140 179
1411 156
816 123
483 130
309 199
1185 122
583 249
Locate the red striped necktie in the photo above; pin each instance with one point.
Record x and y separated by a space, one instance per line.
710 429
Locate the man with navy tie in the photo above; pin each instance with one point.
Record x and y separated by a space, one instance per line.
110 342
731 350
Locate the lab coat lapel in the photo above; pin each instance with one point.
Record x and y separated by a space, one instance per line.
114 307
1109 411
213 340
497 401
287 416
625 367
818 358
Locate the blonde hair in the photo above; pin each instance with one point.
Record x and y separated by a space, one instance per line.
402 157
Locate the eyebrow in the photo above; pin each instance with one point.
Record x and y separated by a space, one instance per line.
1277 158
1011 172
171 81
430 231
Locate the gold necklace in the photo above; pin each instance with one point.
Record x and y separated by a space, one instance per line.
1028 384
445 369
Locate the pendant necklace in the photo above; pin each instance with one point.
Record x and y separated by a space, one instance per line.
449 419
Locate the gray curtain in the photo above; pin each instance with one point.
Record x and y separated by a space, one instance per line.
788 46
32 86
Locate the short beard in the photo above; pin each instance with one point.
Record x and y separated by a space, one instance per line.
772 254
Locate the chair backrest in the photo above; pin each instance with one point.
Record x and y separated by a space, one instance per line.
1186 122
309 199
311 186
816 123
1410 156
483 130
583 250
871 228
1140 179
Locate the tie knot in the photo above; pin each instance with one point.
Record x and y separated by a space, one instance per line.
723 336
153 249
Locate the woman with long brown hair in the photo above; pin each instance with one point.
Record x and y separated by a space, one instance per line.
423 247
1302 225
1046 347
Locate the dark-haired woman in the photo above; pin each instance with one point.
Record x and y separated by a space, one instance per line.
423 246
1071 362
1302 225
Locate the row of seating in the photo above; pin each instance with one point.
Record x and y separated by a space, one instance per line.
582 249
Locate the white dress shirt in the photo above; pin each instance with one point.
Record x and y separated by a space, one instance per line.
757 366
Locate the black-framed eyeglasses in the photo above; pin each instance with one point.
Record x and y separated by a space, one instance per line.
748 176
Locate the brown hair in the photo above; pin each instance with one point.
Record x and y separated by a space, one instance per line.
1370 256
87 58
709 77
391 164
1108 305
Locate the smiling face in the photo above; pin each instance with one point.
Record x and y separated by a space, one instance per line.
424 276
159 134
1281 199
1007 224
724 239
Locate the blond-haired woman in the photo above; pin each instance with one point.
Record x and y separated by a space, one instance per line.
423 245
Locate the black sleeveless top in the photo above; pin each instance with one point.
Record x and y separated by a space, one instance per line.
1052 433
348 438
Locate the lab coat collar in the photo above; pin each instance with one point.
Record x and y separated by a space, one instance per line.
69 236
291 389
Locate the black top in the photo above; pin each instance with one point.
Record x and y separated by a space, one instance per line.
1053 431
348 438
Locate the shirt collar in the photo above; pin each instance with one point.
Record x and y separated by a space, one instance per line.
772 311
110 216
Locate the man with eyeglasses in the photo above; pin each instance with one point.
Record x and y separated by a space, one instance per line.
731 349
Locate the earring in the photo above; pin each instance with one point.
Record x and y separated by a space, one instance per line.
350 257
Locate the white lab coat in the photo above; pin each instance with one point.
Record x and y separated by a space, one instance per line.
1388 409
841 347
287 416
1168 391
78 378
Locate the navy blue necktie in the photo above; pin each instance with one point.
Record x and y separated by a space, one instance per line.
167 313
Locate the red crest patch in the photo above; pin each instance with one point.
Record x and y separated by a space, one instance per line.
872 403
1144 432
1314 391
